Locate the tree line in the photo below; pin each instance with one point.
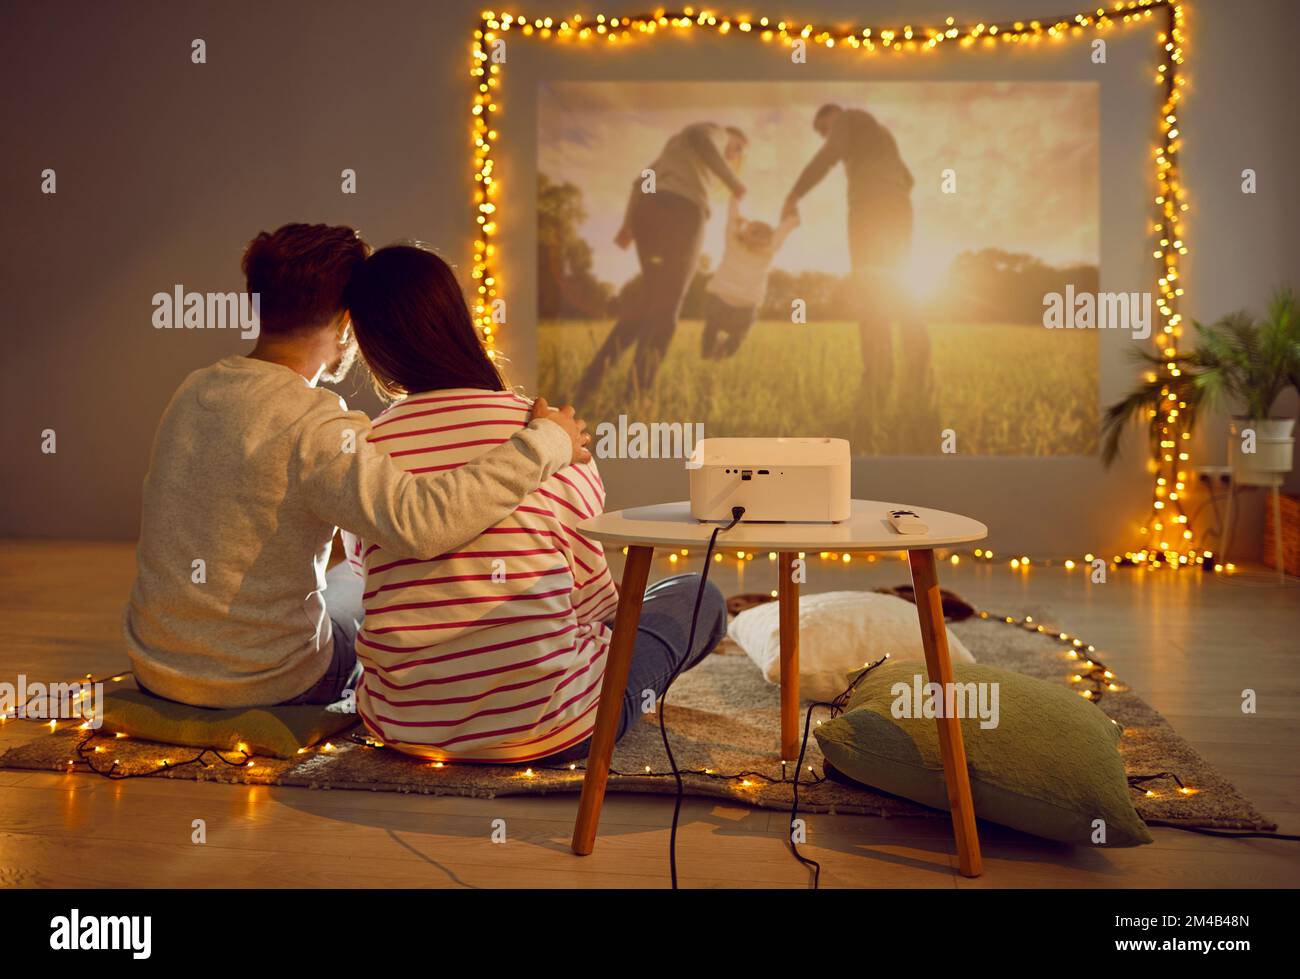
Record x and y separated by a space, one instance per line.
986 285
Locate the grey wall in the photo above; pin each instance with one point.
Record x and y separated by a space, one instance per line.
166 169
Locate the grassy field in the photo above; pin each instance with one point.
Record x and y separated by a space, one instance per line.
1005 389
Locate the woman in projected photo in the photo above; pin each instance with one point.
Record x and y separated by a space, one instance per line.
665 218
494 652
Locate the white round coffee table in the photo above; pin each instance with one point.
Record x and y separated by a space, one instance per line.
642 529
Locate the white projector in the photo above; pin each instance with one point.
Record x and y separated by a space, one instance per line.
774 479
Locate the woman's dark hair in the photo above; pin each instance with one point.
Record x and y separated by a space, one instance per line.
413 327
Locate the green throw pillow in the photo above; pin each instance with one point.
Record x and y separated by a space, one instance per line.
278 731
1050 765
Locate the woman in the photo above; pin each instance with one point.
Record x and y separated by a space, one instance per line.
493 652
667 227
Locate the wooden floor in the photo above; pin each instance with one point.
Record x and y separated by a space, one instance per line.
1188 643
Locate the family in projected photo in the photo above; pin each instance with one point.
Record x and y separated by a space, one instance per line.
665 222
753 240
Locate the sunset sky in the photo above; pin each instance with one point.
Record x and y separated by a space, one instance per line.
1025 153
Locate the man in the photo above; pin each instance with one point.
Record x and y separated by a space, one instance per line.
880 240
667 227
254 465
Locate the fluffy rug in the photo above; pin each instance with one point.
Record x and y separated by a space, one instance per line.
723 723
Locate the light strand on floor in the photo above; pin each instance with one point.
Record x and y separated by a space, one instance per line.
747 779
21 713
1092 671
112 772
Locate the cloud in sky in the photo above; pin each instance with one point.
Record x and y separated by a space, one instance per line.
1026 158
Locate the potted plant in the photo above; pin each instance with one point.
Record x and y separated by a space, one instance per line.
1236 361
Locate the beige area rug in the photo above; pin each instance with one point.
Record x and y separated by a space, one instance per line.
722 718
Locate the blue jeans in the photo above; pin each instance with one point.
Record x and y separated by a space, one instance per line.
660 646
343 604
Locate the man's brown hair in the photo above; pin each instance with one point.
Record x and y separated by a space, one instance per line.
300 273
824 111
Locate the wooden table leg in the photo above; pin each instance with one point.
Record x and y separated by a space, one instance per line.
618 659
938 666
787 597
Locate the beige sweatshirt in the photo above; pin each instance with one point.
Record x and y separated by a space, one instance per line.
690 162
251 472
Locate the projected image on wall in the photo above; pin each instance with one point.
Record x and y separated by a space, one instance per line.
860 260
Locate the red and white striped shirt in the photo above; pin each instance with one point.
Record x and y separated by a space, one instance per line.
494 652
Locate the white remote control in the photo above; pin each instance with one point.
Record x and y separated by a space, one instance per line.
907 522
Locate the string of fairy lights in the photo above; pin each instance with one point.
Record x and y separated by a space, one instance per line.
1166 537
1092 679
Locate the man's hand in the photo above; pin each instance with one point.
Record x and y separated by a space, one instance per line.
738 191
573 426
790 209
623 238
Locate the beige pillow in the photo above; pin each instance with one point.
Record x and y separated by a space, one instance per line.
839 633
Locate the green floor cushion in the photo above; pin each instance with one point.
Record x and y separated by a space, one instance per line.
277 731
1042 759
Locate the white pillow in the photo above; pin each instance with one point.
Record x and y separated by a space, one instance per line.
839 632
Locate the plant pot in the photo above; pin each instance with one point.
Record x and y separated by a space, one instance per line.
1274 450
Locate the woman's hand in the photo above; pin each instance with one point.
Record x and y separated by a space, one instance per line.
573 426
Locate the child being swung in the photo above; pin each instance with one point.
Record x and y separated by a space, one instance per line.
736 289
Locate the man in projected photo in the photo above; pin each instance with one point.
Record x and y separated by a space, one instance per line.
665 218
880 241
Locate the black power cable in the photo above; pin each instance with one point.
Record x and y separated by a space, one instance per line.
836 708
736 513
794 805
1223 834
